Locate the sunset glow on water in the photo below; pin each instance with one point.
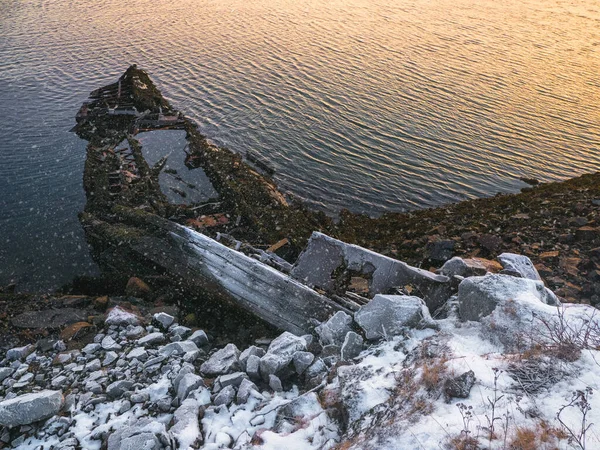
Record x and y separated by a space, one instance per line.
370 105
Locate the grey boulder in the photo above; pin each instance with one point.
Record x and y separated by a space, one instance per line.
145 435
187 384
334 330
280 353
352 346
479 296
520 265
222 361
29 408
390 315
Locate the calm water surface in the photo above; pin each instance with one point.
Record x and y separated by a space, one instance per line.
374 105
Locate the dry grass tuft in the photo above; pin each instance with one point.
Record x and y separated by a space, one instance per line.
463 442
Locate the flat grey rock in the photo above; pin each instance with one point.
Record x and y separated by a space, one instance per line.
90 349
17 353
199 338
252 350
29 408
152 339
253 367
118 388
138 353
232 379
245 390
302 360
180 331
108 343
178 348
275 383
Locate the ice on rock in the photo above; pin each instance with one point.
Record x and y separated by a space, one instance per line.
479 296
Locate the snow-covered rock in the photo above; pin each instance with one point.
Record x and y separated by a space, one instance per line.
119 317
142 435
389 315
29 408
165 320
479 296
519 264
185 429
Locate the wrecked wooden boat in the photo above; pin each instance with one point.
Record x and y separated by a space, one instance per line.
201 247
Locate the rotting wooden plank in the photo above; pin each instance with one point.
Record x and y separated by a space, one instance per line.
229 275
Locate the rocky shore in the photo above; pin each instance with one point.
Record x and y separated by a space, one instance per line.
388 376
